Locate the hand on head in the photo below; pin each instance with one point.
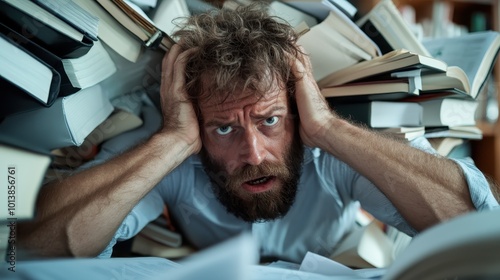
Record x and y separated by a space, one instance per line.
179 116
314 111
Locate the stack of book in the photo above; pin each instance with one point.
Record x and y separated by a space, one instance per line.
69 66
413 88
66 62
72 74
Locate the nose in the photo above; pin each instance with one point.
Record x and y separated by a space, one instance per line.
253 147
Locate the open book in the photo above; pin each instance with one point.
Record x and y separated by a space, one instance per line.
386 26
395 61
465 247
336 43
475 53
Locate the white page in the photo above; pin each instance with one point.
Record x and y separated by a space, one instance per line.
465 51
315 263
435 249
358 36
90 268
24 70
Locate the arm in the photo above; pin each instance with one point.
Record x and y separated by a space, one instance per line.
423 187
79 215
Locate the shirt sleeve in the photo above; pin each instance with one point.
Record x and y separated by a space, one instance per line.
375 202
479 188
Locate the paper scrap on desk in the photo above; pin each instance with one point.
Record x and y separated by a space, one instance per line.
322 265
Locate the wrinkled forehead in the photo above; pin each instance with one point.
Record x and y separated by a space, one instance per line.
222 86
249 101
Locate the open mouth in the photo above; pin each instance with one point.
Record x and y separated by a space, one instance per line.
259 181
261 184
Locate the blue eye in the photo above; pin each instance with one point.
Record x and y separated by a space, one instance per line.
223 130
271 121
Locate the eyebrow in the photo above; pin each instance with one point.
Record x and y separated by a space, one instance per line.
221 122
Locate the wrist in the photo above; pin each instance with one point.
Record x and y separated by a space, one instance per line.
176 142
335 130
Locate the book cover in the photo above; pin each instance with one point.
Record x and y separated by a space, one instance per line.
66 87
383 90
43 28
27 82
381 114
66 123
72 14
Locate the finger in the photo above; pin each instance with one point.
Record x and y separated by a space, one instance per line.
168 63
302 70
307 93
304 58
179 71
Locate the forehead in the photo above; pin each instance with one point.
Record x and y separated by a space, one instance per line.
247 100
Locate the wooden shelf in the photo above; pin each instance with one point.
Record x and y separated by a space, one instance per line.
489 129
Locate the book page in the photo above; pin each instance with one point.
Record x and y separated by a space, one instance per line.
466 52
449 248
22 176
351 31
25 71
111 32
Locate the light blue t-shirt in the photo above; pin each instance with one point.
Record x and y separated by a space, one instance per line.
329 195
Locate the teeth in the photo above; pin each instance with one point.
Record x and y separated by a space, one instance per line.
259 181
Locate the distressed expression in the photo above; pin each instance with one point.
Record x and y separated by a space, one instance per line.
251 153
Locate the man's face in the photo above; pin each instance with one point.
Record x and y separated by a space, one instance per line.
252 154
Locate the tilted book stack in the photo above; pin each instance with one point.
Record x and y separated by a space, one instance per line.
68 71
442 76
65 61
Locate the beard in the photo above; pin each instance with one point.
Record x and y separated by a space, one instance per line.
257 207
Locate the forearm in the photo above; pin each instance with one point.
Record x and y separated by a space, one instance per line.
79 215
425 188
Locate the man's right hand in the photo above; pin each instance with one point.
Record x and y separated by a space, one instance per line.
179 117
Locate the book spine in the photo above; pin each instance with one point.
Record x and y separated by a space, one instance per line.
355 112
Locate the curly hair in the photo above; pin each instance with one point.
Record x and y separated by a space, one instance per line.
237 50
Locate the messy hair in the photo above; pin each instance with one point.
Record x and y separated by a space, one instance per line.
237 50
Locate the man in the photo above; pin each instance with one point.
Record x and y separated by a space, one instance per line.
249 143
